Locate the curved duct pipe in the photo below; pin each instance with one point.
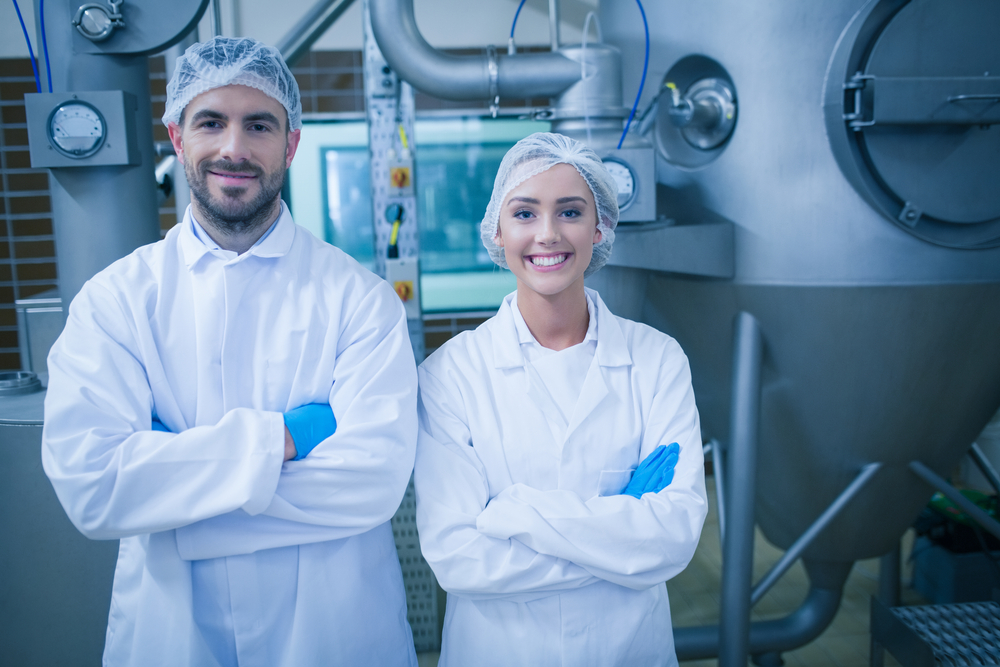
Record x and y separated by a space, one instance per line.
463 77
784 634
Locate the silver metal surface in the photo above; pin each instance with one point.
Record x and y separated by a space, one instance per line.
761 588
56 583
554 24
462 77
737 550
297 42
103 213
19 383
150 27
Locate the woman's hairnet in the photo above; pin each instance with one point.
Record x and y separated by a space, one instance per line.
535 154
225 61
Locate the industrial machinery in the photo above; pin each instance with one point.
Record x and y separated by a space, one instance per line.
822 174
826 178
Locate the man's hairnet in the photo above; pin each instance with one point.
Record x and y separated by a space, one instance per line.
535 154
226 61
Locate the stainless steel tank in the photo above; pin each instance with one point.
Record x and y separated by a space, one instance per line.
55 585
881 335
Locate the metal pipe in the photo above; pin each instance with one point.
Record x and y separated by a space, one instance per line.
975 513
985 467
462 77
797 629
99 214
554 24
718 469
216 17
297 42
811 533
737 549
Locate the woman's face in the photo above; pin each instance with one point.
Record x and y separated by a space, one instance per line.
548 228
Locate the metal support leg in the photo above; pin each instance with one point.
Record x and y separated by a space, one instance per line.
888 594
737 550
975 512
985 467
719 470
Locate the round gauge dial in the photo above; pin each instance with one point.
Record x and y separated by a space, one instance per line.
625 181
76 129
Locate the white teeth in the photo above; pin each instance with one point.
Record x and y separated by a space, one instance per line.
549 261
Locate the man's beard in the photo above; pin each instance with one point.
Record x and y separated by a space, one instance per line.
232 215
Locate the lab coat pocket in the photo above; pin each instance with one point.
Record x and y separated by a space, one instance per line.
612 482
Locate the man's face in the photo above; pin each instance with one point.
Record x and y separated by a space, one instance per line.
235 148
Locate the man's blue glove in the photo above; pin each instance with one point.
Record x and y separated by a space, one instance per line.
158 426
655 472
310 425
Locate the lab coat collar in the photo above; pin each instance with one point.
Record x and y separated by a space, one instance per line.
611 347
275 243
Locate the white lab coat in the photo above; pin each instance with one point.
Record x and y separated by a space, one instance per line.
543 563
228 554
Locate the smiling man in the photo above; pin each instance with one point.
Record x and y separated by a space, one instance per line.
237 405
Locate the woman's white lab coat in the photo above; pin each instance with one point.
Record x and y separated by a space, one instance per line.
227 553
543 562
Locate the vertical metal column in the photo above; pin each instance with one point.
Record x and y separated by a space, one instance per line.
390 112
741 474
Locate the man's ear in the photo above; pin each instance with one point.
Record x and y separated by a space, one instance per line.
293 144
174 130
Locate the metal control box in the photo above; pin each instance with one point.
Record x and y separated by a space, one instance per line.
113 114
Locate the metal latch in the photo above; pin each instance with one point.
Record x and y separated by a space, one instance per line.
874 100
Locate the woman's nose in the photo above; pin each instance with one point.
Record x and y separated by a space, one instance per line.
548 232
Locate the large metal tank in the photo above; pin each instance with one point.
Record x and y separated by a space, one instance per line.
882 336
55 586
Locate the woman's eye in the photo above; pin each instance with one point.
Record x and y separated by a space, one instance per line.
522 215
571 213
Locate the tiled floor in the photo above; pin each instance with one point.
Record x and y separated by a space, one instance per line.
694 600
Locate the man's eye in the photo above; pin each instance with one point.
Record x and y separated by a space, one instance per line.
211 124
257 127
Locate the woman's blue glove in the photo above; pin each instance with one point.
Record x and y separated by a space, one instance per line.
310 425
655 472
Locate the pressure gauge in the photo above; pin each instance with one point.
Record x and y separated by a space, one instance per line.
76 129
624 179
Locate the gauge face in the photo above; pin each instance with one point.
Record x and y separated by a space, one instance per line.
625 181
76 129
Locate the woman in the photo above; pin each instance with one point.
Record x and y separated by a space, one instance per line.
552 551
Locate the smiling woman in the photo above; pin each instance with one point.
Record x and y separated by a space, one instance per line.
552 552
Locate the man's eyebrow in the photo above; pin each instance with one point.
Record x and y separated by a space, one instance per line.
210 114
265 116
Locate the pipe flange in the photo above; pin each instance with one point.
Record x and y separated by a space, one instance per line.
15 383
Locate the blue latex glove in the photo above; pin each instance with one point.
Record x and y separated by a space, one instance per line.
655 472
310 425
158 426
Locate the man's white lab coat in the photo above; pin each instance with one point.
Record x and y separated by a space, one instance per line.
543 563
228 554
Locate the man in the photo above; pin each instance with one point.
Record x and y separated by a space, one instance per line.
190 383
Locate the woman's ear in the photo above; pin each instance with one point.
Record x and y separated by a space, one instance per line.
498 238
598 235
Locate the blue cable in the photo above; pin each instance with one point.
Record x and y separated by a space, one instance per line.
645 66
31 54
516 14
45 45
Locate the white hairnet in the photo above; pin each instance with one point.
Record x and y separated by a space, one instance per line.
535 154
226 61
